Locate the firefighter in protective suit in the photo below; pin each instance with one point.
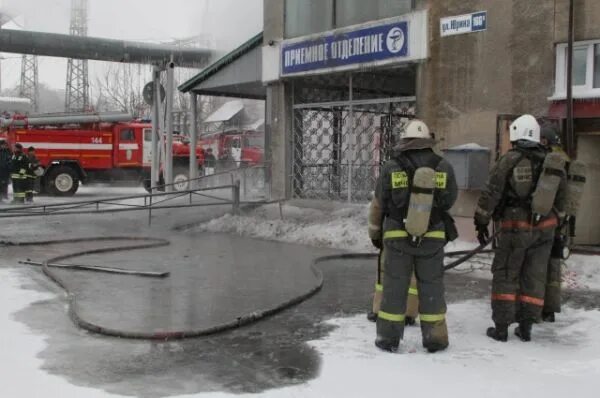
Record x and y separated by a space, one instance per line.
19 165
414 191
34 164
525 194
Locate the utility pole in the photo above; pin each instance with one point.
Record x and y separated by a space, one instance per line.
29 80
1 58
169 126
77 96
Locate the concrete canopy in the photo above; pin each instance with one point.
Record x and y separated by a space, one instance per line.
238 74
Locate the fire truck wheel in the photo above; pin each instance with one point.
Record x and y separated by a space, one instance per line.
180 180
62 181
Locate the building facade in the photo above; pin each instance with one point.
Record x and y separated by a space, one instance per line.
342 76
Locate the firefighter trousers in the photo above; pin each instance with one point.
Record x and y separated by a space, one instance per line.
30 185
519 274
3 190
412 306
427 262
19 183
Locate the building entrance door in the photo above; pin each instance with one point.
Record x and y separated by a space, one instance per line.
342 137
588 148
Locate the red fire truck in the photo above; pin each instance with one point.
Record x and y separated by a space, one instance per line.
90 148
235 148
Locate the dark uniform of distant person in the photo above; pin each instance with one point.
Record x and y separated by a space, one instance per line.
525 194
34 164
19 164
414 191
210 162
550 138
5 157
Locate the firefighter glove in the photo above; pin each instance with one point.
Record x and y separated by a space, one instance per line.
483 234
22 171
378 243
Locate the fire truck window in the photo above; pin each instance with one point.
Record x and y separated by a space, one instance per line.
148 135
127 135
235 144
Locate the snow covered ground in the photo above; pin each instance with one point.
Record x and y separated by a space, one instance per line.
564 358
19 365
343 226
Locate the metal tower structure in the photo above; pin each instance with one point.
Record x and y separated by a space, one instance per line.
29 80
77 96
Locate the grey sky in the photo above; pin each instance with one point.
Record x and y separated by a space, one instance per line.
228 22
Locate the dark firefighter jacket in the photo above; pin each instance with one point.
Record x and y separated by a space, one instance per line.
392 192
506 197
5 157
19 165
34 163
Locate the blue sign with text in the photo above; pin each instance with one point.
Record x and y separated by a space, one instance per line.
375 43
467 23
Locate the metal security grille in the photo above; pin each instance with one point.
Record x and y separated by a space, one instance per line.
344 129
340 146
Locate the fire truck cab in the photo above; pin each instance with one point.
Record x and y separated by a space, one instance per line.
235 148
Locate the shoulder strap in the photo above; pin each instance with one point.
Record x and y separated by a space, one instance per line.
408 163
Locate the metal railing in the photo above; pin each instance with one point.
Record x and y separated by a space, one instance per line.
231 187
253 180
149 202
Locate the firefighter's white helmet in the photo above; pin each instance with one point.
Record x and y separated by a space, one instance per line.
525 128
415 129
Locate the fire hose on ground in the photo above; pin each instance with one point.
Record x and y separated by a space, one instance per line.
139 243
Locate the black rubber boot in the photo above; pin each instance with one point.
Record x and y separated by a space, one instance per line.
548 317
409 321
387 344
498 333
372 316
431 348
523 331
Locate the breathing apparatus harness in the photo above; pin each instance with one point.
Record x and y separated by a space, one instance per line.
428 214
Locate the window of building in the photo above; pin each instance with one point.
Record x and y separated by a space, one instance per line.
580 55
597 66
351 12
586 70
303 17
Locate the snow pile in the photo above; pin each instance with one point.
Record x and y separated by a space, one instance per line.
342 228
469 147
